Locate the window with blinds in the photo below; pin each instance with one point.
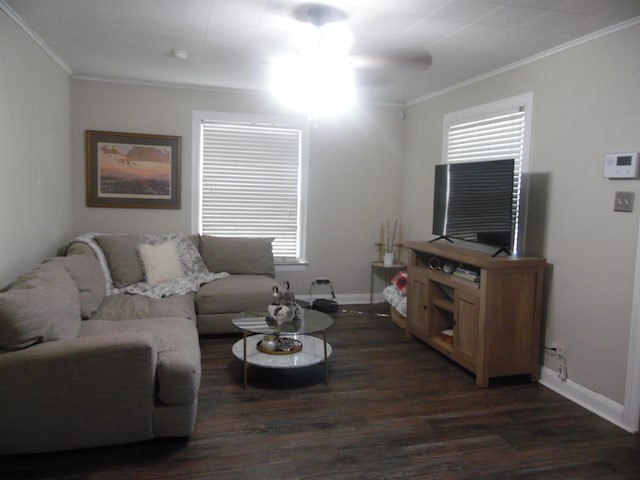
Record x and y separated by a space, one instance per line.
500 132
250 183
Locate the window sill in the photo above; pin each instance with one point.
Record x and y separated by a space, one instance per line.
291 267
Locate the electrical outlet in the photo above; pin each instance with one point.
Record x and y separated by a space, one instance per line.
562 360
559 350
562 369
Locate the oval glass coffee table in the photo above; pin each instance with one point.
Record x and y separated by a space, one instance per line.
306 349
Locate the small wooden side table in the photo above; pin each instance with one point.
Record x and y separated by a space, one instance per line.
388 270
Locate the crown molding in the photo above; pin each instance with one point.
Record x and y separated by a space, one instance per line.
154 83
35 37
39 41
533 58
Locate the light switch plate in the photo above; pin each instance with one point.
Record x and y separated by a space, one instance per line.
623 202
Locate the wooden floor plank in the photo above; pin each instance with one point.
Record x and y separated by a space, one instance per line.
393 409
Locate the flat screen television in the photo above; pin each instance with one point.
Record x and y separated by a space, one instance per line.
475 202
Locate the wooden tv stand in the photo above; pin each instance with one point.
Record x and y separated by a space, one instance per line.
496 322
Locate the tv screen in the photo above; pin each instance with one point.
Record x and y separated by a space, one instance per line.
475 202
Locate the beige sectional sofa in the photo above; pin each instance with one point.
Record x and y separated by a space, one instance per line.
101 347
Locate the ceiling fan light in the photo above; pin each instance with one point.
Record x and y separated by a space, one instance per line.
331 39
318 86
331 89
306 39
286 78
336 39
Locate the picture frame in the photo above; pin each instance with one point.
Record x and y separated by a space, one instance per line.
132 170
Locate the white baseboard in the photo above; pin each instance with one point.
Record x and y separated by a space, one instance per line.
592 401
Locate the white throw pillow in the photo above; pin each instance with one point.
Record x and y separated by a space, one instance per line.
160 262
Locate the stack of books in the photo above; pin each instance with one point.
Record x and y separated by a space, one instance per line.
465 274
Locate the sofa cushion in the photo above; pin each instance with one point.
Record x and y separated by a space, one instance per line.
176 340
238 255
192 263
125 307
86 273
41 306
121 252
78 248
235 293
160 262
190 259
125 265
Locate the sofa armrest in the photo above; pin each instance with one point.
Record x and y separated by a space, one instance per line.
83 357
80 392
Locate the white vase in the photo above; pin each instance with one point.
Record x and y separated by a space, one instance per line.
268 343
388 258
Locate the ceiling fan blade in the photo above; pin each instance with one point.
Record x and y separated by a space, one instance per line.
372 77
382 69
377 68
416 61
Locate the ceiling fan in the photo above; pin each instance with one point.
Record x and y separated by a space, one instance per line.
321 77
374 68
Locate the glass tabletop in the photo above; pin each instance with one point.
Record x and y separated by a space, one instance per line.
260 322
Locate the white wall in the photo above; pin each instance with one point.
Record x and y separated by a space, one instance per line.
35 153
354 173
586 103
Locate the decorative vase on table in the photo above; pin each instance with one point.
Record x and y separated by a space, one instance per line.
269 343
388 258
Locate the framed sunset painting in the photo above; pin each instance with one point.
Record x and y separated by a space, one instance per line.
132 170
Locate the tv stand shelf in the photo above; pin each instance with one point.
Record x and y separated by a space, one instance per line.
495 323
447 305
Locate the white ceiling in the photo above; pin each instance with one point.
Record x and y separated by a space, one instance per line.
232 42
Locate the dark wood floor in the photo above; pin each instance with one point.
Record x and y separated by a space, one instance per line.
393 409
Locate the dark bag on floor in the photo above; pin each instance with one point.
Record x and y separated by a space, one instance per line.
325 305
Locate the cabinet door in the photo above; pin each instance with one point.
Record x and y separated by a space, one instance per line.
465 337
417 303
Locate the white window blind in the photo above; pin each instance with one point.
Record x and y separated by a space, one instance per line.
496 137
251 183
